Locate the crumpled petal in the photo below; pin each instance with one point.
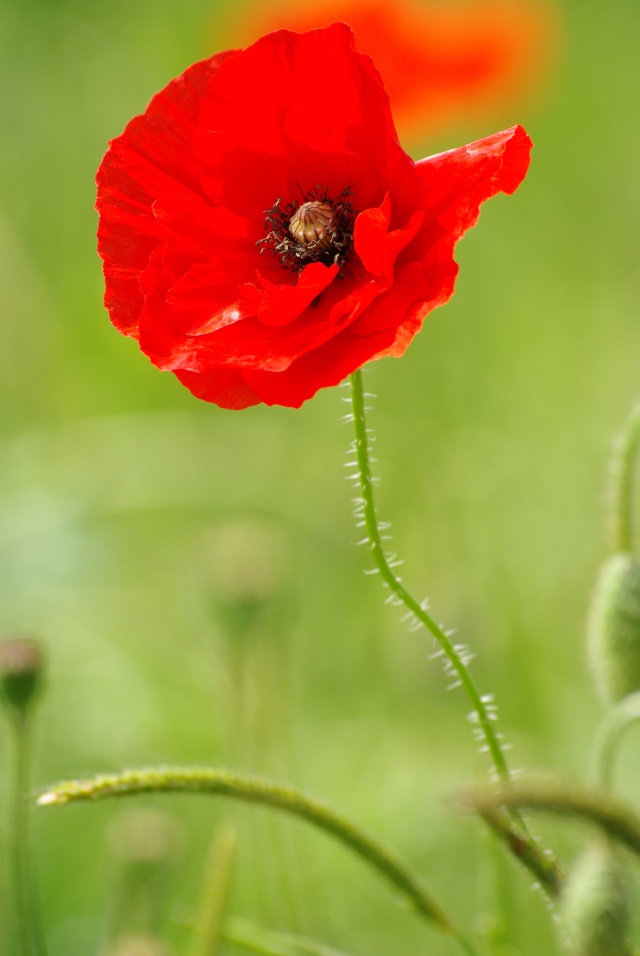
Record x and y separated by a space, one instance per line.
152 158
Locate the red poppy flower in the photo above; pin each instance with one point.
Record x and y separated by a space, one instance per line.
263 233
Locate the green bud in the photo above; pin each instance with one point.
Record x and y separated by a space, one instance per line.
613 635
595 905
21 663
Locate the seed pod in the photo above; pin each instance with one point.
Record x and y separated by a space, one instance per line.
312 225
20 672
595 904
613 634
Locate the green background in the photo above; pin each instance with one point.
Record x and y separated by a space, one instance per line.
130 513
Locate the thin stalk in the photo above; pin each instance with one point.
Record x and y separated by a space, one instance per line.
276 796
623 466
215 893
366 510
29 935
367 506
533 857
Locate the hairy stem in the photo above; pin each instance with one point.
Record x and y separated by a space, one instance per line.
367 510
483 715
259 790
623 466
533 857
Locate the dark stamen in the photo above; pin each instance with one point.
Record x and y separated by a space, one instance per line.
319 229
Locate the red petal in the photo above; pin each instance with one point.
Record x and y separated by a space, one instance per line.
209 293
378 248
458 181
320 368
152 158
253 344
416 292
369 233
212 230
258 95
281 304
225 387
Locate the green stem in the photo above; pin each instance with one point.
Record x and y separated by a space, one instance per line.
29 934
259 790
215 893
615 722
533 857
623 465
367 511
483 715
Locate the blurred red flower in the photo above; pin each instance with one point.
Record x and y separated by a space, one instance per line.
263 233
439 60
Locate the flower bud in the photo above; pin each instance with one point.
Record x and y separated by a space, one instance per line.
613 633
21 664
595 905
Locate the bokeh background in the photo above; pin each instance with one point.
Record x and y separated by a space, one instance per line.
192 571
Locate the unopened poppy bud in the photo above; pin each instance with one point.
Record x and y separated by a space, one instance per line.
21 664
595 905
614 628
311 225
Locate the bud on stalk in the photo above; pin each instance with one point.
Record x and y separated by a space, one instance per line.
595 905
21 665
613 636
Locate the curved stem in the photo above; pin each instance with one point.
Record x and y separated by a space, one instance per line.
367 511
259 790
623 466
482 716
613 816
615 722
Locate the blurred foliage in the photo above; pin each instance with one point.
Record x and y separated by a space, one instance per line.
116 488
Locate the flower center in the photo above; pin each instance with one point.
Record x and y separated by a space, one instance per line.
319 229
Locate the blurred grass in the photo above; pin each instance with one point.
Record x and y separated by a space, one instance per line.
492 440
